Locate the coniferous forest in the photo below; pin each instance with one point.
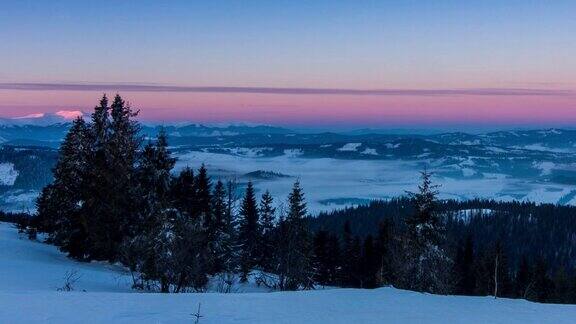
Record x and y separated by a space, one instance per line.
116 197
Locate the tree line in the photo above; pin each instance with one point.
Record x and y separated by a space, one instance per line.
115 197
505 249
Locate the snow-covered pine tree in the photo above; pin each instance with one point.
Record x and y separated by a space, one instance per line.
154 181
222 243
203 188
294 246
151 253
267 218
427 265
101 124
248 233
184 192
110 202
59 204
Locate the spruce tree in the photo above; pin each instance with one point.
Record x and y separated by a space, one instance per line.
123 148
248 233
60 203
110 201
294 246
267 217
426 263
184 192
222 242
203 188
155 179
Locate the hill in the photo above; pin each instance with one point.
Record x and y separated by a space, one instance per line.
32 272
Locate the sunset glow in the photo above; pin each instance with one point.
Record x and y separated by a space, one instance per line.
383 64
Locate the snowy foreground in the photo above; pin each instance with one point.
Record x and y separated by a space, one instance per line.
32 272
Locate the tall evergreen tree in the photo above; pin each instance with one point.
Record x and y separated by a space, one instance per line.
203 187
294 245
184 192
249 233
223 240
267 217
155 180
426 260
101 124
110 200
60 203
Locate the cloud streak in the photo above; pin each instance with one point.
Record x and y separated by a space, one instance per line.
135 87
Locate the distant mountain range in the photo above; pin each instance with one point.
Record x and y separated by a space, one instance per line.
49 130
542 160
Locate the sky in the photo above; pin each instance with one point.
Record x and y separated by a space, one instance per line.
341 64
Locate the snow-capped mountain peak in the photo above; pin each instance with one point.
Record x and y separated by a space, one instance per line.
43 119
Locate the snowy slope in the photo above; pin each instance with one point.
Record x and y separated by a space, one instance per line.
31 272
27 266
7 174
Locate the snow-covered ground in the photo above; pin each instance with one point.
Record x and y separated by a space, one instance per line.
7 174
32 272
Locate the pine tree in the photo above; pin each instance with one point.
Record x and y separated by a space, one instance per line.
219 204
222 243
293 245
203 187
248 233
101 124
122 152
184 192
154 252
267 217
426 260
110 201
59 205
155 182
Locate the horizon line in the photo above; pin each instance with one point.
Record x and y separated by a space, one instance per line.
138 87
